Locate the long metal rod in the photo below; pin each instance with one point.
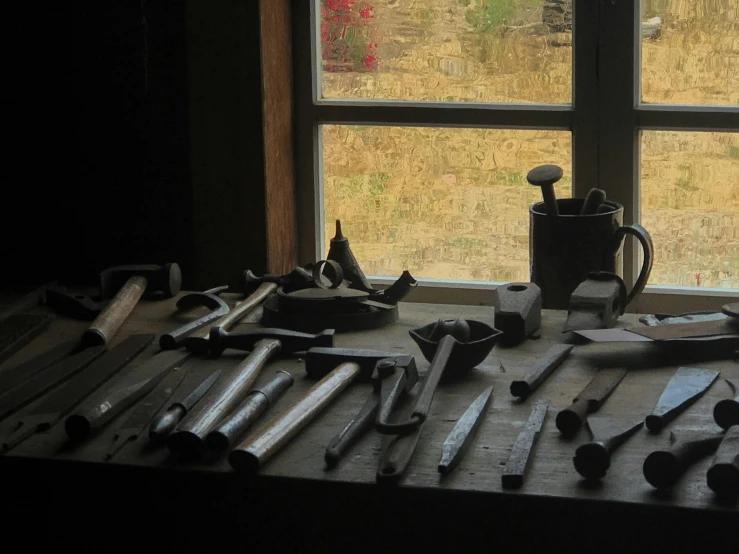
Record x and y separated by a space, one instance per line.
444 114
688 118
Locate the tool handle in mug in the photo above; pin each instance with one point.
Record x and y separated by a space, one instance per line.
641 234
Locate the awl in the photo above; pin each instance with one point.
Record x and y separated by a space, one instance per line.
515 468
589 400
143 412
63 400
686 386
124 391
458 442
593 459
164 423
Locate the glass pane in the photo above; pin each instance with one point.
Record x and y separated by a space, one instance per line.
447 50
690 51
690 206
441 203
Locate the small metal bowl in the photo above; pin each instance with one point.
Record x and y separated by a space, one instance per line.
464 355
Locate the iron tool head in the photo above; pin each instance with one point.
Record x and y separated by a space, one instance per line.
165 279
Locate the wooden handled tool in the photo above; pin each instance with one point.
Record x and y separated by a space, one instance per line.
188 439
243 417
593 459
593 200
545 176
250 455
662 468
726 411
198 341
723 475
166 279
589 400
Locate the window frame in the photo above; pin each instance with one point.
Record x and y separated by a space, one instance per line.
605 117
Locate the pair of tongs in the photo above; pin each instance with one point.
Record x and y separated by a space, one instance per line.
391 379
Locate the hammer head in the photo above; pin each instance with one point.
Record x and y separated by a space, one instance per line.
290 341
166 279
321 361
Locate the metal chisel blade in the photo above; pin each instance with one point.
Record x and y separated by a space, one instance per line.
124 391
12 377
456 444
64 399
686 386
615 430
602 385
192 398
44 381
142 414
515 468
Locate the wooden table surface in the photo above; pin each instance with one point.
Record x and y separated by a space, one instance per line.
551 472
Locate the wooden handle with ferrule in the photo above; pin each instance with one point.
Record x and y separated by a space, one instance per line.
188 439
198 341
723 475
112 317
570 419
662 468
250 455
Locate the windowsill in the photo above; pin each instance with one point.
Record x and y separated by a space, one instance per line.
654 299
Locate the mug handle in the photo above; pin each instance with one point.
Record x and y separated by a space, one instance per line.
641 234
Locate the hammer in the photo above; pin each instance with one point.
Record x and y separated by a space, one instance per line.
188 439
130 282
337 368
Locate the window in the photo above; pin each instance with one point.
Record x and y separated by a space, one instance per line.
419 119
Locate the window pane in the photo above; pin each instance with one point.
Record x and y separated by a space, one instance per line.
442 203
447 50
690 51
690 206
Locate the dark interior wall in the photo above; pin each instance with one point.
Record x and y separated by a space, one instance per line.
99 140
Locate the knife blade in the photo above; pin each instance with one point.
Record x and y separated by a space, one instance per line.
164 423
64 399
144 411
124 391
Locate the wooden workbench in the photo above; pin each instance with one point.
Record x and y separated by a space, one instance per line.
463 506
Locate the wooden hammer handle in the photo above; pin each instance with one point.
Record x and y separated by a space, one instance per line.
250 455
112 317
239 311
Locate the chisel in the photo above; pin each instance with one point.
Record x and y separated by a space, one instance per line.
165 422
551 361
590 400
59 403
143 412
515 468
458 442
124 391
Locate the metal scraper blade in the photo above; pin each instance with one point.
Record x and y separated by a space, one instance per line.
685 387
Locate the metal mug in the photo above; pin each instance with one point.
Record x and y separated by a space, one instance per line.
563 249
